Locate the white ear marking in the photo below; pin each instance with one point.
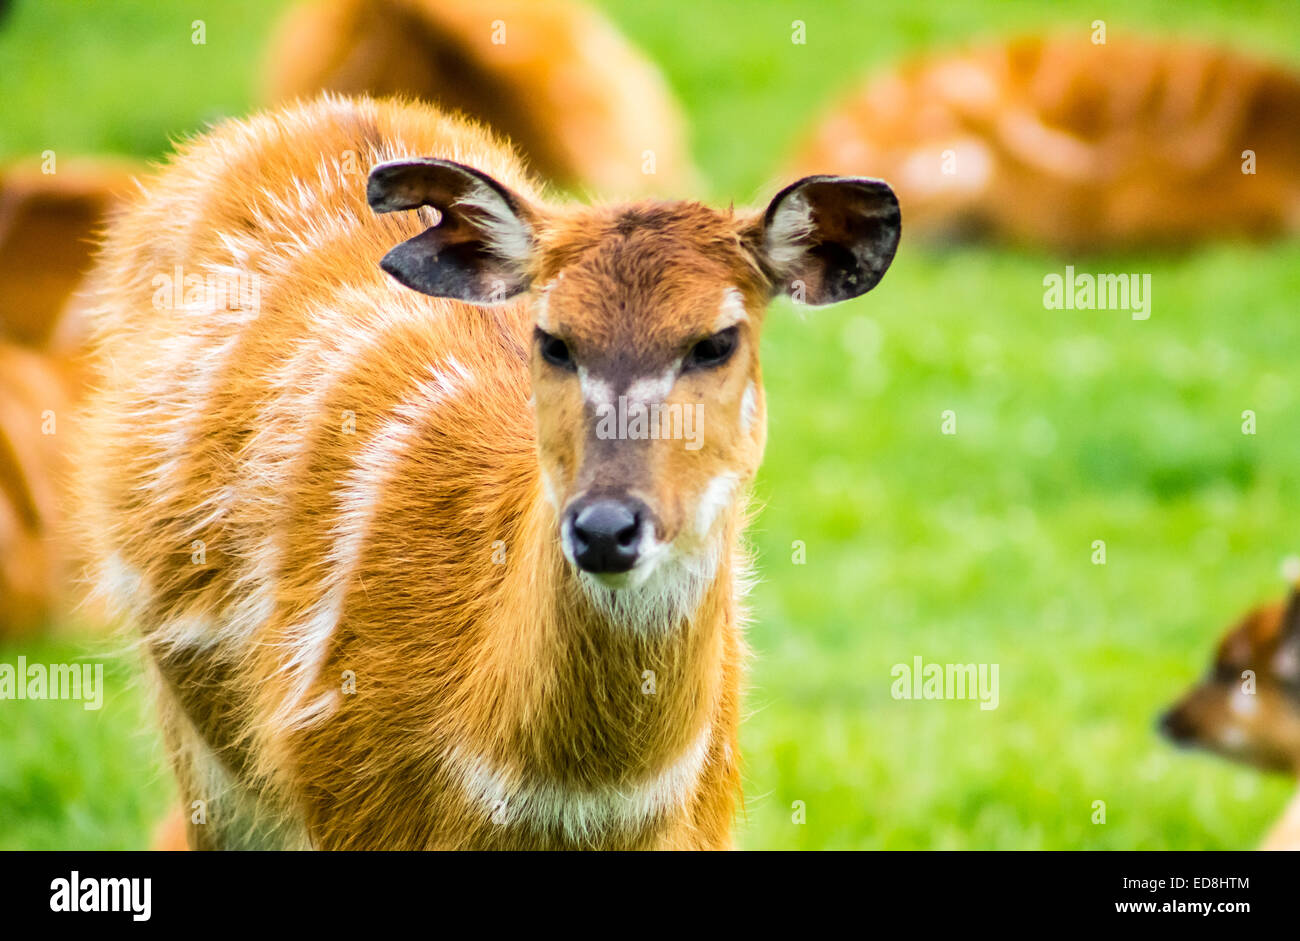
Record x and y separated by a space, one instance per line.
504 233
791 225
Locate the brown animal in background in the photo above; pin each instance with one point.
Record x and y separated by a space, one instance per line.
48 226
1248 708
444 557
1061 143
34 395
584 107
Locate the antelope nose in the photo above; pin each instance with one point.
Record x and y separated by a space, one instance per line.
607 535
1175 726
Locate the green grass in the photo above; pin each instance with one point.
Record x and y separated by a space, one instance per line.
1072 426
78 778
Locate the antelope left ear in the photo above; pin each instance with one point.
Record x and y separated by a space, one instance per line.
830 238
478 251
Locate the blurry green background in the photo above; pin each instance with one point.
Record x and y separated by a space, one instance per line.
1073 426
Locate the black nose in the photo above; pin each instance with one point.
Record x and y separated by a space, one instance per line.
607 534
1176 727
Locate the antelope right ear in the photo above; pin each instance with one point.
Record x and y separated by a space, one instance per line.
479 249
830 238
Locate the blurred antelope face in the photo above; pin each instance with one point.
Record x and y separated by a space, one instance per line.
645 368
1248 707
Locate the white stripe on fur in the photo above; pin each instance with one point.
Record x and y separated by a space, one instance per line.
358 499
508 799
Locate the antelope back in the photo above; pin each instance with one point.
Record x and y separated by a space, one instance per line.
262 385
585 107
1059 141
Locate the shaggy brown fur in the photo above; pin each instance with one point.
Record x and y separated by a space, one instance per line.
332 503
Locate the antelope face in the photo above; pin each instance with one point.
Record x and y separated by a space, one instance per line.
1247 708
646 381
645 350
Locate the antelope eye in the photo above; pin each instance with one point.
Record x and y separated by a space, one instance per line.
714 350
554 350
1226 673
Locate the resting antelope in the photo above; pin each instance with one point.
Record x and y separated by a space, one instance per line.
1063 142
399 588
586 108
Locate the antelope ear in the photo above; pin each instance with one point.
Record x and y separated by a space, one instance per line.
830 238
481 245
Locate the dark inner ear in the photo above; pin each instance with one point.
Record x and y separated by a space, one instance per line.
479 249
831 238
